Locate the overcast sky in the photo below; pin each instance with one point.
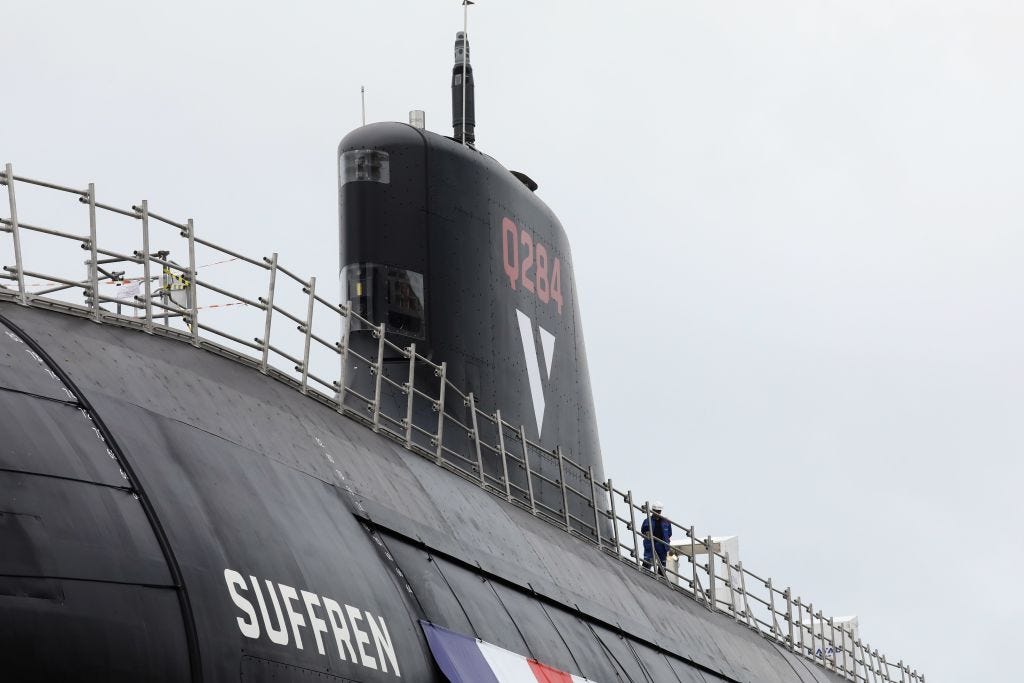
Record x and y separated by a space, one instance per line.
796 224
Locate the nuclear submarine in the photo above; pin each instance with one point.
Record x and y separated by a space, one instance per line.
180 502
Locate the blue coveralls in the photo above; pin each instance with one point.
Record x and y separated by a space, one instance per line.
662 532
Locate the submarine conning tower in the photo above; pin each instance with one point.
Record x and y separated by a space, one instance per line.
457 254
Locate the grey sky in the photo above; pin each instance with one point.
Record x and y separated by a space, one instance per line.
796 227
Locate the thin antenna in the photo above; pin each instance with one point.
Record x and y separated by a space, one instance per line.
465 56
362 95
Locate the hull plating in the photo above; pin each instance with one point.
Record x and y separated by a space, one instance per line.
153 496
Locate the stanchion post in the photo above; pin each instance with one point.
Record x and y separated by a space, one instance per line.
476 438
789 616
504 454
19 268
771 606
192 287
743 592
268 319
529 472
147 285
411 386
343 369
94 268
311 287
443 374
650 537
846 662
710 546
379 378
732 589
565 490
593 500
615 517
693 563
632 526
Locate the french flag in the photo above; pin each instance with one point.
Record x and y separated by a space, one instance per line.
470 660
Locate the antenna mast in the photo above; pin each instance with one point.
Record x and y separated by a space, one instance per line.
463 109
362 96
465 58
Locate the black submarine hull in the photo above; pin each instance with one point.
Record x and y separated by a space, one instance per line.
153 495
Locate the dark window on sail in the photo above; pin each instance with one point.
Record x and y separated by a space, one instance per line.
364 164
383 293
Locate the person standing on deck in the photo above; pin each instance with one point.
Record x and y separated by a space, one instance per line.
657 532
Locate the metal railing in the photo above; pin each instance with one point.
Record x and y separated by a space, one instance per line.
392 389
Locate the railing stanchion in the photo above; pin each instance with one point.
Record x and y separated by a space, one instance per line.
831 639
693 563
443 374
147 286
529 473
729 585
813 649
650 538
192 287
476 438
264 361
632 526
504 454
814 638
19 267
842 634
593 500
614 516
565 491
308 329
712 589
771 606
789 616
343 369
748 617
94 276
412 395
379 379
825 644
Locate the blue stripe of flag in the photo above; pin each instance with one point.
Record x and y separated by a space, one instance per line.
457 655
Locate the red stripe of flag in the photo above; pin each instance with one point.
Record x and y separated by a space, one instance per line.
545 674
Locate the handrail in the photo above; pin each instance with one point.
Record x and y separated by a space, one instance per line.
482 447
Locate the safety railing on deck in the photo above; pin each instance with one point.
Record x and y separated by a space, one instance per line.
133 281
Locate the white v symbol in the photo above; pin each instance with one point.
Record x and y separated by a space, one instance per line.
533 369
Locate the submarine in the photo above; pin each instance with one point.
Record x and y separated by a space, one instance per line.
409 487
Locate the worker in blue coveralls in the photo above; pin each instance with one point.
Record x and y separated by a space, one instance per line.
657 531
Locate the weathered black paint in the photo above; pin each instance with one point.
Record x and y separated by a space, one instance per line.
441 215
233 466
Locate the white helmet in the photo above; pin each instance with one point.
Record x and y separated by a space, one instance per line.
657 506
